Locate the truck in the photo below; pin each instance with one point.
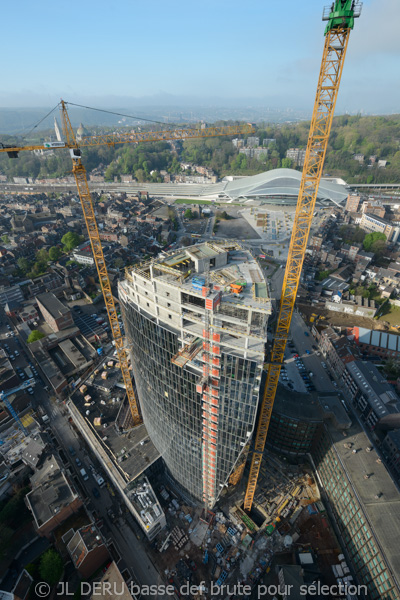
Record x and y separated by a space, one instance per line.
28 372
84 475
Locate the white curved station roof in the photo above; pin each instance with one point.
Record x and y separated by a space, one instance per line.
280 184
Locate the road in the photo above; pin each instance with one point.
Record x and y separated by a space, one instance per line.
124 531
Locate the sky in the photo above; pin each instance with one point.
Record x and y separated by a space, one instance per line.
183 52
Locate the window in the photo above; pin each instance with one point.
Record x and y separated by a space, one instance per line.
169 316
168 304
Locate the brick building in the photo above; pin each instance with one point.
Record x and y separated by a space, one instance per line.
54 312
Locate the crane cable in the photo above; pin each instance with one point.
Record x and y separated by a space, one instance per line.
110 112
39 122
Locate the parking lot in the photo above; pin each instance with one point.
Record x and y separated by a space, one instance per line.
294 374
88 325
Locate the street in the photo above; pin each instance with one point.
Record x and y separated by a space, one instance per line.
123 532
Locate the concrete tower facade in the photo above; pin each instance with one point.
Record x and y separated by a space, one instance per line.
196 326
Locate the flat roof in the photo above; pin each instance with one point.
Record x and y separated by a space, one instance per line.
131 451
383 513
114 577
51 491
52 305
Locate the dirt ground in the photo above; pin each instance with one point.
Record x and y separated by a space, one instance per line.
343 319
237 228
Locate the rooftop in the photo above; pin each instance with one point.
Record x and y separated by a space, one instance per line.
131 449
228 264
52 305
114 577
381 396
377 494
82 542
50 493
311 407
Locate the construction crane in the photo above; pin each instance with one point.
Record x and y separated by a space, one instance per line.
4 395
340 16
79 172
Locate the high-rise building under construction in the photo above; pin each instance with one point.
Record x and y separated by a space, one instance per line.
196 320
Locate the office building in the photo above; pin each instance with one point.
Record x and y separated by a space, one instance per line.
196 325
365 506
371 224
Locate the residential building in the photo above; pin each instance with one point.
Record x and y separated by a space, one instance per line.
370 392
336 349
374 207
297 156
10 294
352 203
54 312
390 448
52 498
197 349
253 142
116 585
87 550
83 258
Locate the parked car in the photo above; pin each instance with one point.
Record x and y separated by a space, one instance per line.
78 462
95 492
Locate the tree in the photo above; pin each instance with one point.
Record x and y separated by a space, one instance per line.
5 239
34 336
42 256
119 263
71 240
371 238
23 264
54 253
51 567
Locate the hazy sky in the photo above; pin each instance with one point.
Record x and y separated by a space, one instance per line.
207 52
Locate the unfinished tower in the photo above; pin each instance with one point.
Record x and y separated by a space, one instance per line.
196 321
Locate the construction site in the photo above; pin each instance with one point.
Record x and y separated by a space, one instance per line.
198 387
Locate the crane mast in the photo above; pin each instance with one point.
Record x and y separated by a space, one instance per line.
79 172
340 17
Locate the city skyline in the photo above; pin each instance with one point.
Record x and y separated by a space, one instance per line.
181 55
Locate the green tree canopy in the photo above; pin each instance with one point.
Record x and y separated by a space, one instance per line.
5 239
51 566
188 214
34 336
371 238
119 263
54 253
24 265
42 255
71 240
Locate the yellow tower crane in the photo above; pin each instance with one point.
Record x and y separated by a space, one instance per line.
79 172
340 17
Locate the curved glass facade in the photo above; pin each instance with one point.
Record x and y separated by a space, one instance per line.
172 408
169 402
197 355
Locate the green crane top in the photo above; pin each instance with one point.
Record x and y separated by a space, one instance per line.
341 13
